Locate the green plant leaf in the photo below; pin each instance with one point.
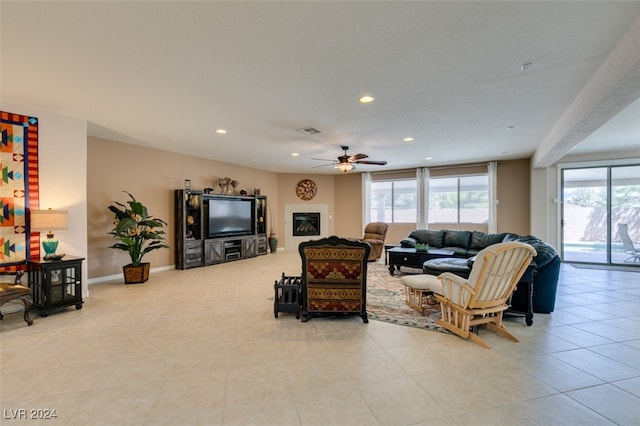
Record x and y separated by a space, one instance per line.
137 232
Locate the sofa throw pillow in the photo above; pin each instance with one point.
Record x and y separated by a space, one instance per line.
480 240
408 242
457 239
428 236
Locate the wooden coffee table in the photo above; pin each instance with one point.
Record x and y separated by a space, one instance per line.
400 256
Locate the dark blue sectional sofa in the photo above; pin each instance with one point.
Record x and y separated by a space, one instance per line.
466 244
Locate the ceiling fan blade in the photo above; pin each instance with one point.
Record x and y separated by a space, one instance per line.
324 165
358 157
347 162
377 163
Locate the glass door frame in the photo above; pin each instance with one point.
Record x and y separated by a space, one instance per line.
609 226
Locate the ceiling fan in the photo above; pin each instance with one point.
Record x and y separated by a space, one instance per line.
346 162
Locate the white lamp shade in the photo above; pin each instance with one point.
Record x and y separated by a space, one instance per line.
48 220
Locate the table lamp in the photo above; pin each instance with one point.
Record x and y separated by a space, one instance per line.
49 221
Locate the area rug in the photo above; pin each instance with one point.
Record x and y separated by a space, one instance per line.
385 300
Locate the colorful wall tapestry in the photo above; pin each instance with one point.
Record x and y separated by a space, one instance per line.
19 191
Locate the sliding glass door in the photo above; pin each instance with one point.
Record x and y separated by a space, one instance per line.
584 215
625 214
598 203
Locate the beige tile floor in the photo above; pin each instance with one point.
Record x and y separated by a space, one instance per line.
202 346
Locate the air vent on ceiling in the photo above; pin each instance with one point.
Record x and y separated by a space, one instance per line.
309 131
526 67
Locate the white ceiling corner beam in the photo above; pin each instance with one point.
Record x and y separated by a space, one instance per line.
613 87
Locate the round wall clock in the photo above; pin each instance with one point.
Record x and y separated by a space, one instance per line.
306 189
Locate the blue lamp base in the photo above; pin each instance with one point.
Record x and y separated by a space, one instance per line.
50 245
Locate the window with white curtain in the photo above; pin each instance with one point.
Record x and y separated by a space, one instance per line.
459 199
456 198
393 201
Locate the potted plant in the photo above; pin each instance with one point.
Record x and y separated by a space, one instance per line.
138 233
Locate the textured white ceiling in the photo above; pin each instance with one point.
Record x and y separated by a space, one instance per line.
167 74
621 133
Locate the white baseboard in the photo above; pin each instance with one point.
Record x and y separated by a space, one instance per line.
115 277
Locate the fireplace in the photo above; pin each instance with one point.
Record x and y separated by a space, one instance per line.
306 224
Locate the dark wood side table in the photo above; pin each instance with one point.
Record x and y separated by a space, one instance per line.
55 283
399 256
526 280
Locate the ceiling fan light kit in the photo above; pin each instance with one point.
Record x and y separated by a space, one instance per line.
345 167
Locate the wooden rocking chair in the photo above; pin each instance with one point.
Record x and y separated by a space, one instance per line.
483 297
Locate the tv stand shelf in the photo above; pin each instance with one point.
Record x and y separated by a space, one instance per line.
233 249
199 244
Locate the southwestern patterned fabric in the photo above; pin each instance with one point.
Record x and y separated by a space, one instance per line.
334 277
18 187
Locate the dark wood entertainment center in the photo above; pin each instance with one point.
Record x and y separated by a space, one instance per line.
199 244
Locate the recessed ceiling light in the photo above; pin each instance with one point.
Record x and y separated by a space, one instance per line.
221 131
366 99
294 154
526 67
428 158
510 127
407 140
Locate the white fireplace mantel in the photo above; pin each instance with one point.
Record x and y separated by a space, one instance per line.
291 242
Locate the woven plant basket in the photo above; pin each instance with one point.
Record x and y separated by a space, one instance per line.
136 274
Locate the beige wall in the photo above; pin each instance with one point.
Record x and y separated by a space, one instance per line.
513 208
151 176
62 174
83 175
287 195
514 196
348 209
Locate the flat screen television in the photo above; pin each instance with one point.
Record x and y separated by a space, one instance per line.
230 216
